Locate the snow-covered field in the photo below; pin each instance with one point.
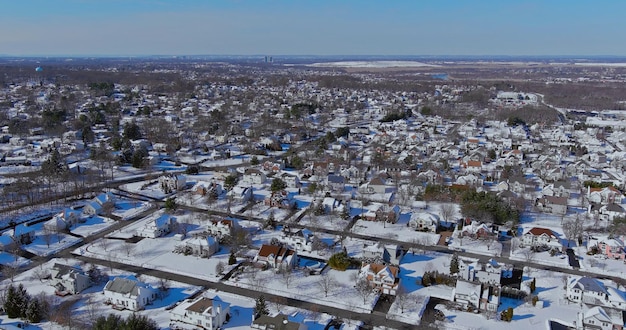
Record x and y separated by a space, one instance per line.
373 64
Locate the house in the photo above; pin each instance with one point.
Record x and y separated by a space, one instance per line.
477 230
278 322
375 186
290 180
127 293
6 243
99 204
385 279
68 280
552 204
611 247
23 233
598 318
422 221
475 295
62 221
252 176
204 188
541 237
335 182
171 182
157 227
276 256
222 227
240 194
592 292
387 253
489 272
203 312
280 199
202 247
300 240
605 195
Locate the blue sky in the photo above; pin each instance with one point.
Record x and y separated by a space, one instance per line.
314 27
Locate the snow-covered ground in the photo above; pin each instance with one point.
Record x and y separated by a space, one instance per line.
373 64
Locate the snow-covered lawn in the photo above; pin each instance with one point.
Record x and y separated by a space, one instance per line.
12 260
46 244
149 188
396 231
332 222
126 209
92 226
489 247
299 285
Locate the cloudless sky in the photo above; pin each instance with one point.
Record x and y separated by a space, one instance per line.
314 27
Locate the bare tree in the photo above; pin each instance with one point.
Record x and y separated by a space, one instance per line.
47 236
573 230
128 248
447 211
10 270
529 254
402 298
287 274
363 289
220 267
104 243
326 283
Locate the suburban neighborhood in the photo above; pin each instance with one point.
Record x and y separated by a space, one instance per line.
248 194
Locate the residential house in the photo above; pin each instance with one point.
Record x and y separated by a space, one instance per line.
489 272
382 212
99 204
386 253
278 322
605 195
477 230
611 247
171 182
280 199
598 318
276 257
541 237
336 183
476 295
385 279
300 240
203 312
68 280
127 293
202 247
290 180
156 227
592 292
204 188
422 221
222 227
253 176
23 233
240 194
375 186
552 204
606 212
7 243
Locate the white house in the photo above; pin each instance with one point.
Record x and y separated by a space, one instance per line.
592 292
477 295
206 313
300 240
489 272
382 278
598 318
278 322
222 227
156 227
126 293
252 176
387 253
68 280
96 205
276 256
203 247
172 182
422 221
240 194
541 237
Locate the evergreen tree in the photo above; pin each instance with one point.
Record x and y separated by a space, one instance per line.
34 311
232 259
260 308
23 298
11 303
454 264
139 322
110 322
